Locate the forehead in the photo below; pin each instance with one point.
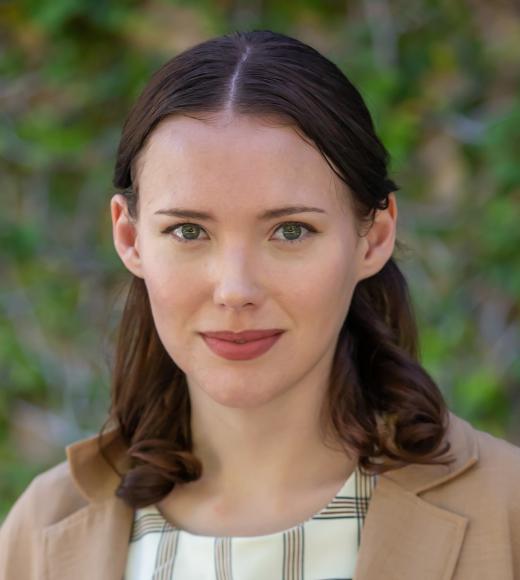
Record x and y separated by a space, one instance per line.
236 158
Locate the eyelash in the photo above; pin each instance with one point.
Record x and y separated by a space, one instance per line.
311 231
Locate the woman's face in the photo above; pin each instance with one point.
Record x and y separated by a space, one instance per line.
238 269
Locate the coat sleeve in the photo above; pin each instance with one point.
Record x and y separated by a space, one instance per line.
20 539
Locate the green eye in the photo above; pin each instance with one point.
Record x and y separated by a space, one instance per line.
190 231
292 232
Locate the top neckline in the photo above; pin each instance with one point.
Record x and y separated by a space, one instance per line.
349 488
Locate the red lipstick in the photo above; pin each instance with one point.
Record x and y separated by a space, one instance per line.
244 345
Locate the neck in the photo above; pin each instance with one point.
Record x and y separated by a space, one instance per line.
277 446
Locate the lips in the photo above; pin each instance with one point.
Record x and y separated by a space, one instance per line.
244 350
244 336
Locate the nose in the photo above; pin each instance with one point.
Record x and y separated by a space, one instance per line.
235 283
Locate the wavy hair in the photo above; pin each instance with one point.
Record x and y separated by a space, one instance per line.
381 402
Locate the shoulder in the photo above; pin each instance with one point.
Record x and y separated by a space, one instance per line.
486 493
479 464
58 495
498 465
50 497
497 450
70 485
489 472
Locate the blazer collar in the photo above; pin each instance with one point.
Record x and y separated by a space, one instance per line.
93 476
93 541
404 536
417 478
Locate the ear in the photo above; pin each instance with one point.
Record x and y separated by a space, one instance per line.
377 245
124 232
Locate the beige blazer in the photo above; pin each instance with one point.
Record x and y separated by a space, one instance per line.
458 522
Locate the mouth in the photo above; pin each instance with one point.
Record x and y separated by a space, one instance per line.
240 348
242 336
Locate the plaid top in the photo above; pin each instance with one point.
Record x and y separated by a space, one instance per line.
324 547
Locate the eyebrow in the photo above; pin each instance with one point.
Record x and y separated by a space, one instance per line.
264 216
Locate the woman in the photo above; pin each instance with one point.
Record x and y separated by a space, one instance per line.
270 418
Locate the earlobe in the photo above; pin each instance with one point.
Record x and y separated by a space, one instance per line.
379 241
124 232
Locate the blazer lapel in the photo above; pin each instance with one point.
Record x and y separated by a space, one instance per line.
90 543
405 537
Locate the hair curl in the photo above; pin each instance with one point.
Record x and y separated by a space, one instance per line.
382 403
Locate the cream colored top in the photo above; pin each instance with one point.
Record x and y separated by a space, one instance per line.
322 548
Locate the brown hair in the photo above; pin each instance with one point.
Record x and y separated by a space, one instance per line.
381 401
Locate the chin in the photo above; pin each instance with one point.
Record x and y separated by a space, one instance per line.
239 398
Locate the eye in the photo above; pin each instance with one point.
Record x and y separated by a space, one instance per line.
190 232
293 229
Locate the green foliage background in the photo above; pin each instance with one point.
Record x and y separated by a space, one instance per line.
441 79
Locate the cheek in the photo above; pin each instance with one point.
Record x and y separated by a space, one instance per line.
172 306
327 287
172 303
167 278
171 298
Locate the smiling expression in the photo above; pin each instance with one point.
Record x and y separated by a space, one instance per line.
243 225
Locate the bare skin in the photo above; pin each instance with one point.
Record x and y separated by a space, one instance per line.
256 424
